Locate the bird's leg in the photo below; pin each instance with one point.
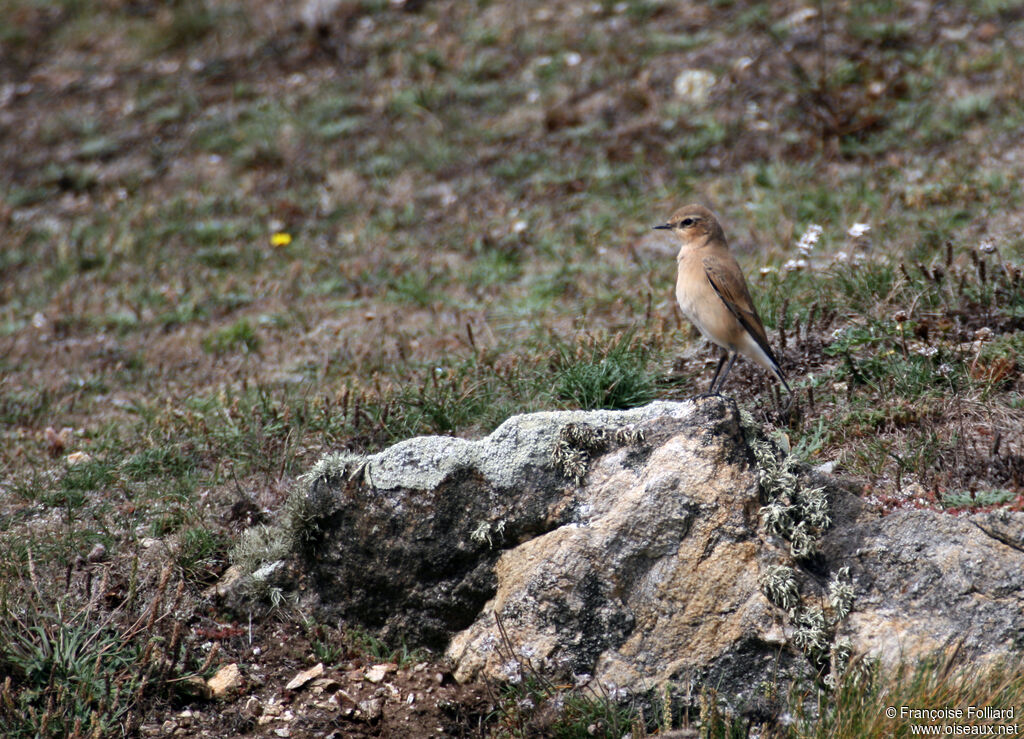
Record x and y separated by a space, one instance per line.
714 378
721 381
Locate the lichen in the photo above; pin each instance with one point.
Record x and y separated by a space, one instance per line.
258 546
793 511
799 514
778 583
577 442
485 530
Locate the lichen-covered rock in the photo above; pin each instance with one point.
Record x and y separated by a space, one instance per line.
406 540
927 580
663 543
654 578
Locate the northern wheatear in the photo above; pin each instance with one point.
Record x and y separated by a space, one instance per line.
713 294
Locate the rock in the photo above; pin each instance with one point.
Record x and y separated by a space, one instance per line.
237 584
927 580
300 680
226 682
325 685
662 551
641 547
98 553
76 458
253 707
377 673
58 441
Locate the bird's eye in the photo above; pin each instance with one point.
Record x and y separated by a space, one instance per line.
687 222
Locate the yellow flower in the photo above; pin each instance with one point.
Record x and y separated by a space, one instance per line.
280 239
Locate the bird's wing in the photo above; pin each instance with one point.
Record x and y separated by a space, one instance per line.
730 287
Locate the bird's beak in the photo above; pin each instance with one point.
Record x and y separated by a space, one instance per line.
663 226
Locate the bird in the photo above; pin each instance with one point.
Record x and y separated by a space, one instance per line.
712 293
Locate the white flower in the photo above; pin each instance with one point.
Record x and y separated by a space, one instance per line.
615 693
572 59
928 351
795 265
858 229
809 239
512 671
841 256
518 227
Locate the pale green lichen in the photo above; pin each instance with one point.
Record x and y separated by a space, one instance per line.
799 514
315 497
811 633
793 511
486 530
778 583
840 593
576 443
258 546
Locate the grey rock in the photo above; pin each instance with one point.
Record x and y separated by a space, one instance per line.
926 580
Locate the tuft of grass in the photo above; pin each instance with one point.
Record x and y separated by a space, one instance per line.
72 668
860 705
611 373
379 651
200 555
239 336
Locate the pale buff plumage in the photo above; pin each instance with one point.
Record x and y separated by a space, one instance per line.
713 294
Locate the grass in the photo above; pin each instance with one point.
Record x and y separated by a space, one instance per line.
933 685
469 202
75 668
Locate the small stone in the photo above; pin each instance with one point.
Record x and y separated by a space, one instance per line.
371 710
694 85
253 707
58 441
377 673
98 553
77 458
326 685
305 676
283 731
228 680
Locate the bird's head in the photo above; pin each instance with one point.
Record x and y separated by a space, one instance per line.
693 223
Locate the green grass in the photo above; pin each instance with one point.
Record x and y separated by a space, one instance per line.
239 336
611 374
